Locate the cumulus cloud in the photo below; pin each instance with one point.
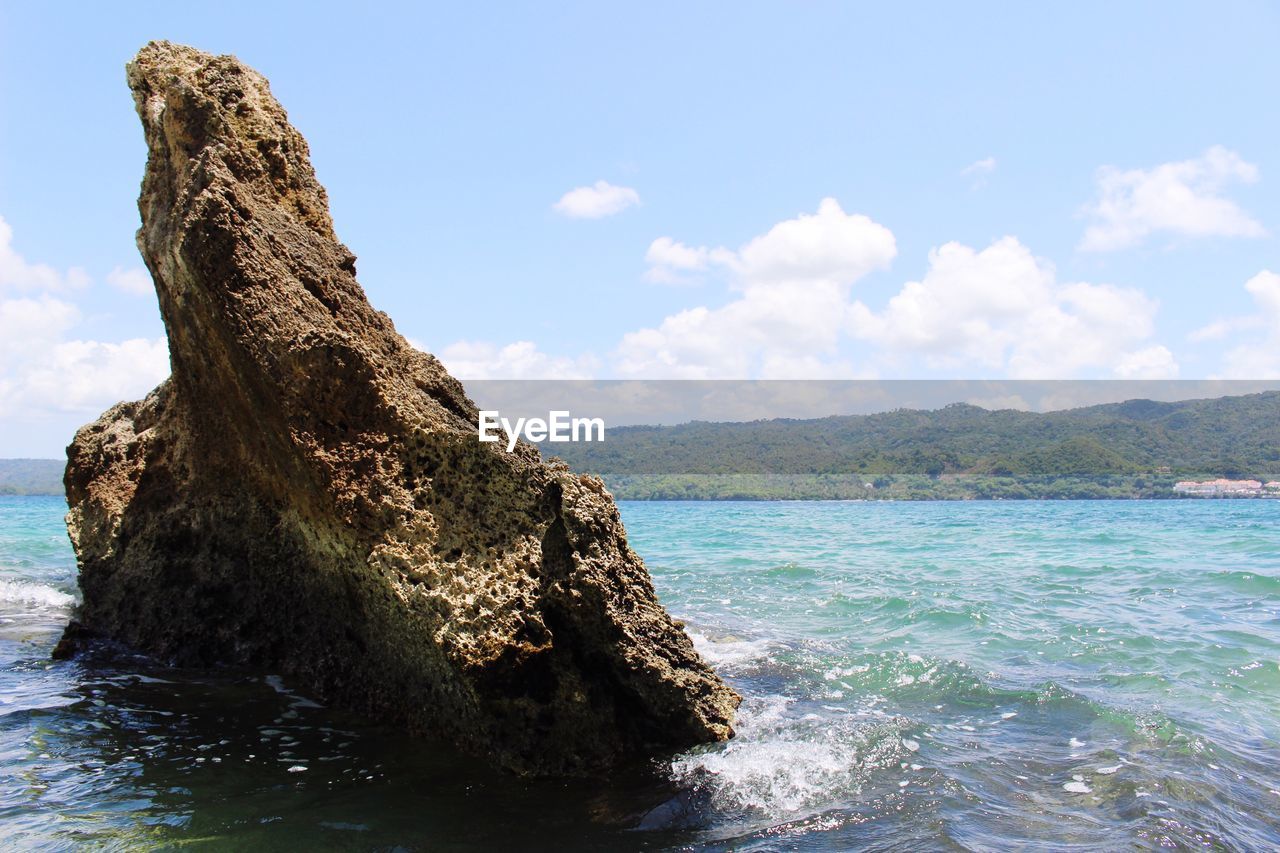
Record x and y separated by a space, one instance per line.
996 309
1265 288
1001 308
1184 198
134 281
666 252
672 262
789 312
597 201
28 324
84 377
18 275
519 360
828 246
46 372
1155 362
1258 357
792 286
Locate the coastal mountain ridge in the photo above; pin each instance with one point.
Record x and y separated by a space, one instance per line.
1137 448
31 476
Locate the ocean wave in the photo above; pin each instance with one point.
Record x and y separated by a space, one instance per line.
34 595
733 654
906 676
1245 581
782 763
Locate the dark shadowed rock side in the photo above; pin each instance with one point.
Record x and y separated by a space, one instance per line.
306 493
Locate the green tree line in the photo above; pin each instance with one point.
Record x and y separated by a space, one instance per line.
1138 448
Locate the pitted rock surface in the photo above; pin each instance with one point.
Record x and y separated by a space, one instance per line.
306 493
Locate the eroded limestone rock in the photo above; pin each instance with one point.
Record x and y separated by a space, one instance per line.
307 493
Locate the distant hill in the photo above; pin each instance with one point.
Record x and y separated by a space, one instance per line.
31 476
1138 448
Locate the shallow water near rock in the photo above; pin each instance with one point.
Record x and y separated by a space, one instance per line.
917 676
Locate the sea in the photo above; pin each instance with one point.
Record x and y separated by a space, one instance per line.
1059 675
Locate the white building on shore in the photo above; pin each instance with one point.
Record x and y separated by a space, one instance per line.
1225 488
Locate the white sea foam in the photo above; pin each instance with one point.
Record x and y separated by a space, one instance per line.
276 683
34 595
781 763
732 653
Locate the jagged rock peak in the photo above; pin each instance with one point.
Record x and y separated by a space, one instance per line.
306 494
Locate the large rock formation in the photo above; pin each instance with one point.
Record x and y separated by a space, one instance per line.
307 493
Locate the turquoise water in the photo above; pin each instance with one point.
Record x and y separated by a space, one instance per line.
917 676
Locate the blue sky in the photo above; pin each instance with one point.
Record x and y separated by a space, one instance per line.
789 190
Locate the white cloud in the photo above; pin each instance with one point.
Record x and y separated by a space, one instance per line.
1002 309
1215 331
1154 362
42 373
963 307
666 252
51 382
985 166
18 275
1258 358
794 284
596 201
1222 328
998 309
519 360
979 171
29 325
1265 287
84 377
672 262
830 246
1183 198
134 281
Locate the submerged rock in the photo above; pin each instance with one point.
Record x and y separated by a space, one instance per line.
307 494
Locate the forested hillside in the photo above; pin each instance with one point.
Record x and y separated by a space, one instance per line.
31 476
1138 448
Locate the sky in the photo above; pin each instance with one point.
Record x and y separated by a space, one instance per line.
676 190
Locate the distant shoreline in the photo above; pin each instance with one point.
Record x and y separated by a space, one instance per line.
43 478
32 477
1168 499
